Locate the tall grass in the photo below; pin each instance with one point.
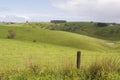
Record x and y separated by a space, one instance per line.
107 69
100 70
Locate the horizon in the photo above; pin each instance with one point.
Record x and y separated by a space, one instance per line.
59 19
50 22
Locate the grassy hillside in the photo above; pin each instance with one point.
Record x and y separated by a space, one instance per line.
13 52
36 53
38 43
111 31
24 59
24 33
17 54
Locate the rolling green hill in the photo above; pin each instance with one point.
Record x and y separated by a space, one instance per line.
39 53
110 31
54 37
38 43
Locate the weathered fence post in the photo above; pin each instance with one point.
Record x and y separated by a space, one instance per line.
78 62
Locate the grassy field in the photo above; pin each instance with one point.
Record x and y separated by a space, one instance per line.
37 53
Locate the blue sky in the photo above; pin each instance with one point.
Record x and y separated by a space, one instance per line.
71 10
27 6
33 10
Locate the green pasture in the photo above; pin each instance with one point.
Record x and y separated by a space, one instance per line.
50 48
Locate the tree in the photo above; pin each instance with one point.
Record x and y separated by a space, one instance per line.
58 21
102 24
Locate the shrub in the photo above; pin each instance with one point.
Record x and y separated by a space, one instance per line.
34 41
11 34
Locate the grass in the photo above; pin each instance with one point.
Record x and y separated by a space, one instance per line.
102 69
13 52
40 54
96 71
54 37
110 32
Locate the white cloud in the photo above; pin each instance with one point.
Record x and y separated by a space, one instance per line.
22 17
72 10
13 18
106 10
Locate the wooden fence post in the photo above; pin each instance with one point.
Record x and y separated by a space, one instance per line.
78 62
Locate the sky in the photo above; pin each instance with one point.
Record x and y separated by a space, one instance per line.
70 10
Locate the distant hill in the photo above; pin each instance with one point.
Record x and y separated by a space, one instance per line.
109 31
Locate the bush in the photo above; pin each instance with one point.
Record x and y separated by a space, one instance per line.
11 34
34 41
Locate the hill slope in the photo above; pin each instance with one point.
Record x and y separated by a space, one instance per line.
51 47
18 54
54 37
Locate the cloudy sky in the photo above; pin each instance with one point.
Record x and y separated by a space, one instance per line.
71 10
